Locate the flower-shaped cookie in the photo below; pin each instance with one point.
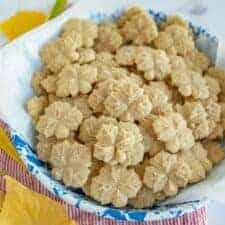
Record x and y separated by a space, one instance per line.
85 29
138 26
167 172
122 99
159 94
197 61
197 161
90 126
59 119
145 198
172 129
196 118
175 39
219 75
215 152
157 170
60 52
86 55
190 83
109 38
153 63
36 106
71 163
75 79
82 105
119 143
115 185
36 82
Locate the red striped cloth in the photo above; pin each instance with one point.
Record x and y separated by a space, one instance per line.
13 169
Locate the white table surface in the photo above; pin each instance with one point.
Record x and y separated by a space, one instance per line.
208 13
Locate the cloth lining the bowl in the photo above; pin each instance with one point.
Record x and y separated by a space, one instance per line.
14 169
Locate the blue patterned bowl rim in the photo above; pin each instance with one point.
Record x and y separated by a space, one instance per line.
39 169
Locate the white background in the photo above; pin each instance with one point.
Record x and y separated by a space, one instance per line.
208 13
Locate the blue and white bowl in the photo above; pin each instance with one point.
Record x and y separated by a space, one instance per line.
36 167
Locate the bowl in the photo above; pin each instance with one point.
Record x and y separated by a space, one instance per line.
22 143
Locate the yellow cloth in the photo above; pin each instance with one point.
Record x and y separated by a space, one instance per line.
2 195
24 21
21 22
7 146
22 206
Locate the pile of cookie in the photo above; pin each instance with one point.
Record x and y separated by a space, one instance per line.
129 111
